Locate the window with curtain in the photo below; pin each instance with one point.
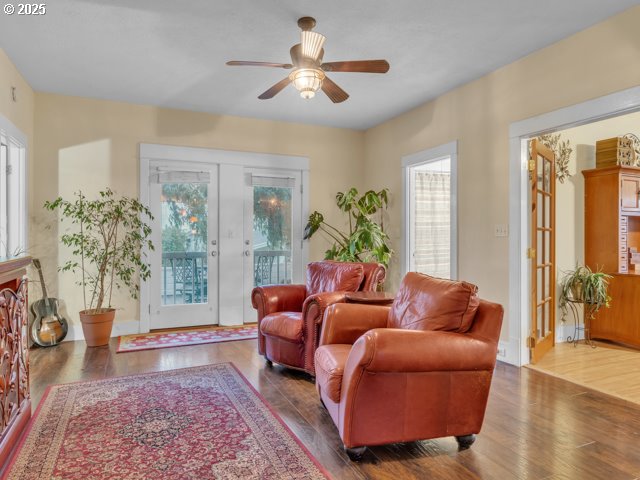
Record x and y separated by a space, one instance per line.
12 192
430 218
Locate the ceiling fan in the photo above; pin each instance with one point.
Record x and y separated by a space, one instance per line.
309 73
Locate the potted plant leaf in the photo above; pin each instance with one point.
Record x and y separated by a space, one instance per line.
583 285
106 244
366 239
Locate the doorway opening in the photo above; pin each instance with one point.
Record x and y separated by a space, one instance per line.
598 225
611 107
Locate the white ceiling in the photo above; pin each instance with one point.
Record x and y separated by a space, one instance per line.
172 53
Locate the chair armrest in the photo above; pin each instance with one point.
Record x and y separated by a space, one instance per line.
345 322
399 350
312 314
278 298
316 304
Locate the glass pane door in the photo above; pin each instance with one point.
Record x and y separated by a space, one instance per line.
271 235
272 231
184 243
184 206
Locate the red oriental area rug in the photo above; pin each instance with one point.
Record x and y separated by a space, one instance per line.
181 338
195 423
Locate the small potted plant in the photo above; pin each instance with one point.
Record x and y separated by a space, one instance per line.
107 251
584 286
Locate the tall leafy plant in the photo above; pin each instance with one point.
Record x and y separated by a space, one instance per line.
366 239
106 244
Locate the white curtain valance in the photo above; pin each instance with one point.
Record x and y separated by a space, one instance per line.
174 176
266 181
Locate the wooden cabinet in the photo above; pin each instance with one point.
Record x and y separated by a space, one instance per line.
611 227
15 401
630 193
621 322
612 217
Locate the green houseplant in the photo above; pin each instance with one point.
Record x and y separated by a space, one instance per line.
366 239
106 244
586 286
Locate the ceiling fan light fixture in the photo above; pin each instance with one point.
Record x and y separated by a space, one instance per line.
312 43
307 81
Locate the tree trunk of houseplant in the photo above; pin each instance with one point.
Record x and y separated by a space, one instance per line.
97 325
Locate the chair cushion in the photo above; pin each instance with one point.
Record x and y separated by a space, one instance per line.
284 325
330 362
333 277
429 303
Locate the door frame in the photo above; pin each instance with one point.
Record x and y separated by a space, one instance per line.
426 156
608 106
149 153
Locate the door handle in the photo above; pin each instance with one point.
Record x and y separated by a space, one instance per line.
247 253
214 253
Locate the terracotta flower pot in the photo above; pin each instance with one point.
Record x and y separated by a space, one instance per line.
97 326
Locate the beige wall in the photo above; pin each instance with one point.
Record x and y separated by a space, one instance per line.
20 112
592 63
84 142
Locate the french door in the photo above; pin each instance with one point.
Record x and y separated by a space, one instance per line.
184 204
219 231
542 174
272 231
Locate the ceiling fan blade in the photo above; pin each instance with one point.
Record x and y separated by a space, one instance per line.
333 91
240 63
364 66
277 88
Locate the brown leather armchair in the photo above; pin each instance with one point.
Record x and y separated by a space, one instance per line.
419 369
290 316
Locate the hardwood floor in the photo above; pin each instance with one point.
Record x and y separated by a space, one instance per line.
608 368
536 427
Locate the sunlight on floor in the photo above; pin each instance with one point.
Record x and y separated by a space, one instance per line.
608 368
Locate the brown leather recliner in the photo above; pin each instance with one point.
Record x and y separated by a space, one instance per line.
419 369
290 316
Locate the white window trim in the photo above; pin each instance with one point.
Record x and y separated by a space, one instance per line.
8 131
518 315
440 152
157 153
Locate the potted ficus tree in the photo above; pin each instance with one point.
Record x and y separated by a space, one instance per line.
366 240
106 245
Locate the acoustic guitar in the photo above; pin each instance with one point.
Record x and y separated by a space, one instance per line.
49 327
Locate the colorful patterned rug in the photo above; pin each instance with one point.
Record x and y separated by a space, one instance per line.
195 423
181 338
